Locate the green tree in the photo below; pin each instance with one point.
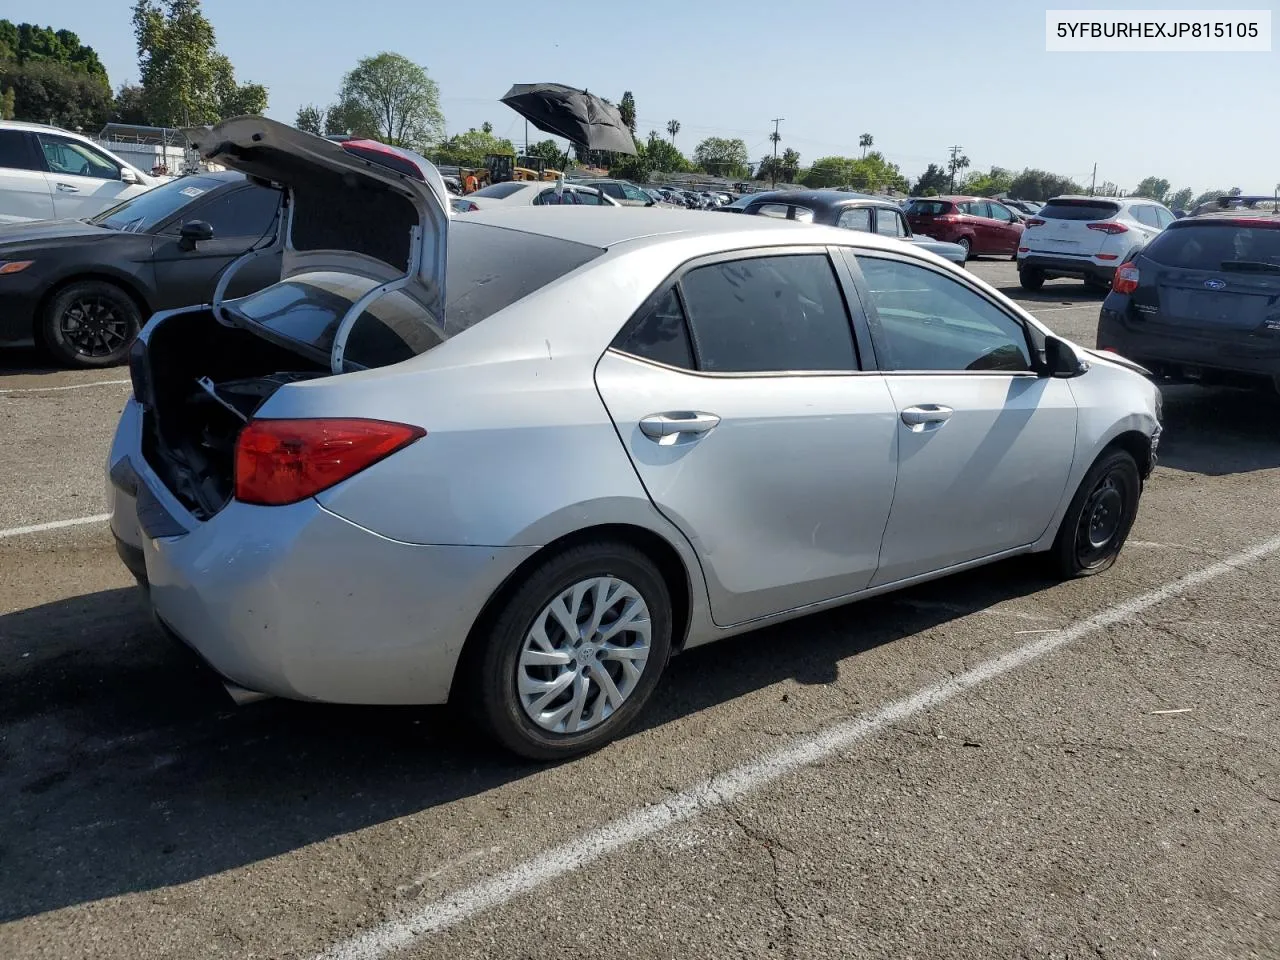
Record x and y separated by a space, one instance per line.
980 184
664 156
1041 185
866 141
310 119
128 106
185 80
637 168
673 127
397 96
721 157
346 118
1180 200
932 182
469 149
24 43
7 104
1153 188
486 127
786 169
50 92
627 109
548 150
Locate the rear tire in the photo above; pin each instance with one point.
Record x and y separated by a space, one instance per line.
1099 518
90 323
1031 279
968 251
603 680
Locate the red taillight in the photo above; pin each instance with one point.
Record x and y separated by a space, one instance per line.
1035 222
1108 256
1024 249
1126 278
284 461
1108 226
947 218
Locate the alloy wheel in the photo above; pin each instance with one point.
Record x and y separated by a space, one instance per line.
584 655
94 326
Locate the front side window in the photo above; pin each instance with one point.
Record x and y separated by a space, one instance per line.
929 322
550 198
768 314
246 213
855 218
1000 213
75 159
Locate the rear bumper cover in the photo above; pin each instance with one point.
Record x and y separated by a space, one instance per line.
1080 267
1191 355
297 602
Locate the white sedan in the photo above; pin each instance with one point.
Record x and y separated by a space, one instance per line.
532 193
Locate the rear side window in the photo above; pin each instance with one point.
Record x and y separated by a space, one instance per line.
661 335
784 211
764 314
975 208
929 208
1079 210
889 223
1217 245
16 152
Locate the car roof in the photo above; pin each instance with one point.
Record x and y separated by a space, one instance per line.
613 226
820 198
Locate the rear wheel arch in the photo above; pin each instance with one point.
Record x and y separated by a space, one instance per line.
654 546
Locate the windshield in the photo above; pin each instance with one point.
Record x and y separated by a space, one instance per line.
489 268
147 210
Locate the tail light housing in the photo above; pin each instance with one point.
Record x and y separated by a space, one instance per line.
1035 222
1126 278
1108 226
283 461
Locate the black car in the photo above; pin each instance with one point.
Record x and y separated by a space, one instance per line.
843 208
1201 302
82 289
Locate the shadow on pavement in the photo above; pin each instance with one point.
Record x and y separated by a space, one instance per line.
1065 292
125 769
1216 432
24 360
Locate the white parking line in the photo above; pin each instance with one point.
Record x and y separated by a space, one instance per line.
723 788
53 525
73 386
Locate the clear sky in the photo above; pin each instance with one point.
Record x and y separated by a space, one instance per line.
919 75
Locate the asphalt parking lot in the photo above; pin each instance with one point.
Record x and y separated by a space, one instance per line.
988 766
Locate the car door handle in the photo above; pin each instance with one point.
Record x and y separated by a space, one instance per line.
921 416
669 428
68 188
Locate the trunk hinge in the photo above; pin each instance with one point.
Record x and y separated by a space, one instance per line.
276 245
343 333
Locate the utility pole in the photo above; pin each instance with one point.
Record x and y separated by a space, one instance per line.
773 171
955 152
1094 182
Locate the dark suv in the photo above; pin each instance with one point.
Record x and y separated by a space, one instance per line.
1201 302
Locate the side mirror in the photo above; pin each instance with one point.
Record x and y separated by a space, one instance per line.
193 231
128 176
1061 360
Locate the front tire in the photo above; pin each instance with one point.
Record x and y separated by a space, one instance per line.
574 653
90 323
1099 518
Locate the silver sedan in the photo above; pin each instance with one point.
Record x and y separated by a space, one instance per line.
516 460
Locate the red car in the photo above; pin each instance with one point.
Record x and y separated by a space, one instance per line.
982 227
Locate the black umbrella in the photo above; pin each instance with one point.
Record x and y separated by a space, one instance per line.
576 115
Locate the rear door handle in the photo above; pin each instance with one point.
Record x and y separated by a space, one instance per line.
68 188
924 415
680 426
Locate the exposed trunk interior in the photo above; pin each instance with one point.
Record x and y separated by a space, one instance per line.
201 382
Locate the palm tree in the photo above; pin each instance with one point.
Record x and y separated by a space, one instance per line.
865 141
673 127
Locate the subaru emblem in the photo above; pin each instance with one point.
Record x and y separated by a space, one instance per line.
1215 284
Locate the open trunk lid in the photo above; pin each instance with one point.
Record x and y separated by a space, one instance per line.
359 209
